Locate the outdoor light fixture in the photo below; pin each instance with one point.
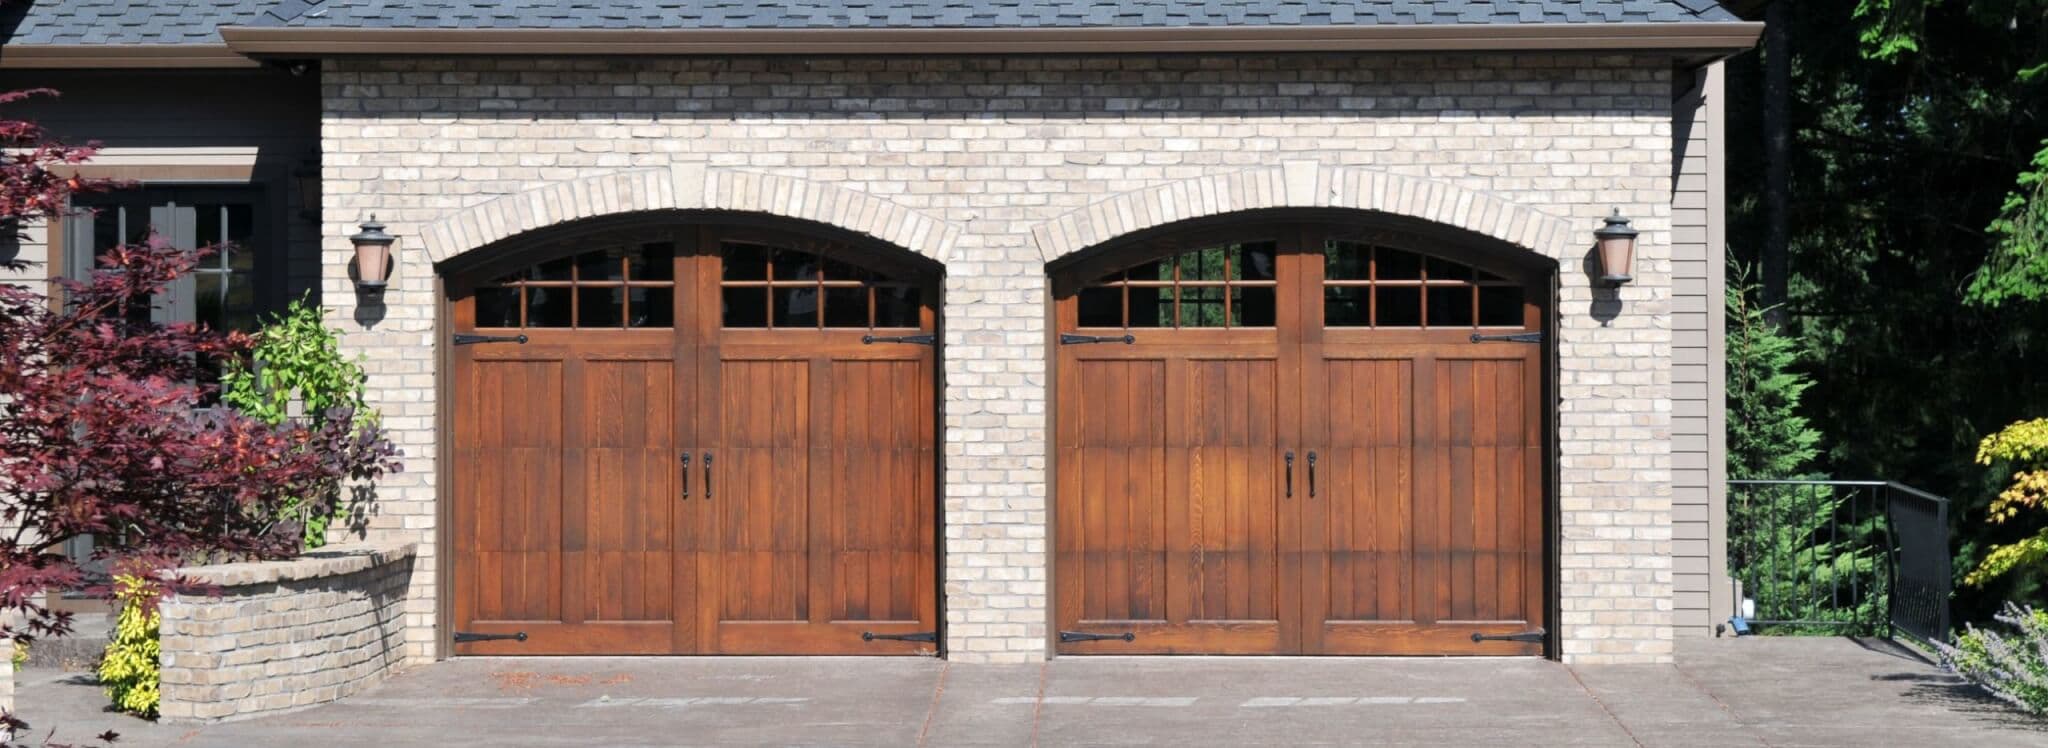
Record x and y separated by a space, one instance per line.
1617 250
373 256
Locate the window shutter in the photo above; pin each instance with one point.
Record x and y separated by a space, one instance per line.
178 224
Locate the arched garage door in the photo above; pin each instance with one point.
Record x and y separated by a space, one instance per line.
676 439
1299 438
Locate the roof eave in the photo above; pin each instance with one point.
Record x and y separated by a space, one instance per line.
116 56
1688 37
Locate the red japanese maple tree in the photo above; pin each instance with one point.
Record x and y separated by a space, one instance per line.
101 429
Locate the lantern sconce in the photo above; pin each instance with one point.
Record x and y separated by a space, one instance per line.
373 256
1617 246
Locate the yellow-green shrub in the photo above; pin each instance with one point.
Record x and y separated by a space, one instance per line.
130 670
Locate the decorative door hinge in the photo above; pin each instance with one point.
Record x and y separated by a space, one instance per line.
1526 637
1076 636
1072 339
1519 337
921 636
464 338
465 637
911 339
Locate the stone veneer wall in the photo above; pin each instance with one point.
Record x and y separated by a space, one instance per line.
285 635
995 165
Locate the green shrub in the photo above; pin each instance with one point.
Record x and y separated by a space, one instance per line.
130 670
299 364
2013 668
20 655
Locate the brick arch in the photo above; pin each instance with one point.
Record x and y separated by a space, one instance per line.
1307 184
687 187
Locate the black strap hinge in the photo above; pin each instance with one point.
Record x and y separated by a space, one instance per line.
911 339
1072 339
465 637
1519 337
921 636
1526 637
465 338
1077 636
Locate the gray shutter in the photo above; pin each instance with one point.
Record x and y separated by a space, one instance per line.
178 224
79 256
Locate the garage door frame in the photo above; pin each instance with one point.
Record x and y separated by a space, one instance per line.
526 248
1445 241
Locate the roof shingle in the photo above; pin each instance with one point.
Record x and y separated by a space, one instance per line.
196 21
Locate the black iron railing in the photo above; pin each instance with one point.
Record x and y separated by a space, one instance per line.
1842 557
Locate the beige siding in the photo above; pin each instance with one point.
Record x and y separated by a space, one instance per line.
1699 480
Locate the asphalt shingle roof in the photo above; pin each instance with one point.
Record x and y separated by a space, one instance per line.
195 21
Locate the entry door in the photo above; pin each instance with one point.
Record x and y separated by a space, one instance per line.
817 440
694 441
1286 439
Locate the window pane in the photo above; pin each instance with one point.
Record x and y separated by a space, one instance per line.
1101 307
1346 261
547 307
1344 306
796 307
1201 306
846 307
746 307
240 310
1151 307
1399 306
1156 270
746 262
791 265
1447 270
1450 306
209 231
1395 264
838 270
601 265
497 307
241 222
1203 264
600 306
1256 261
1251 306
209 310
553 270
1500 306
896 306
654 261
653 307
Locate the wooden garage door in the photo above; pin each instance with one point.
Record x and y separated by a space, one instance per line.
1287 439
694 440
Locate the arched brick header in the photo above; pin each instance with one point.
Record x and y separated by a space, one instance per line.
1307 184
687 187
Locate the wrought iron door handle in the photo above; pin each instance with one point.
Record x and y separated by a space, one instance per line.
1311 473
707 476
686 476
1290 474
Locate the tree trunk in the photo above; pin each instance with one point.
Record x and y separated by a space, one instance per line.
1775 260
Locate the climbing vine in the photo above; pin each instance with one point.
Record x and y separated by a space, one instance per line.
297 371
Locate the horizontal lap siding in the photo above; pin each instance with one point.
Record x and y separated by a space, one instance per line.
1698 477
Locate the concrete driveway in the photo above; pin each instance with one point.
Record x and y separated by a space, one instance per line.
1764 691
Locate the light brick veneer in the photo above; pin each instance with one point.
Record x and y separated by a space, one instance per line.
285 635
997 165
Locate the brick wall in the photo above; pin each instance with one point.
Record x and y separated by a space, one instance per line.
992 164
285 635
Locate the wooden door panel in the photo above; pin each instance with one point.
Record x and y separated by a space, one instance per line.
874 485
1169 527
1367 491
1484 547
760 491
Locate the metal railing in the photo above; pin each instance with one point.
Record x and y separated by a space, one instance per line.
1842 557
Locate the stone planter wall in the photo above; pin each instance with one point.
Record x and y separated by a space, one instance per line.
285 635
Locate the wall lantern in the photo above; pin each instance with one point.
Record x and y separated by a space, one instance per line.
1617 250
373 256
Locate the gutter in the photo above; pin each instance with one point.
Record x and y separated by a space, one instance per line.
106 56
1701 37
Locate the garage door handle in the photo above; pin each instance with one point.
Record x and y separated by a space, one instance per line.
686 476
707 476
1311 473
1290 474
